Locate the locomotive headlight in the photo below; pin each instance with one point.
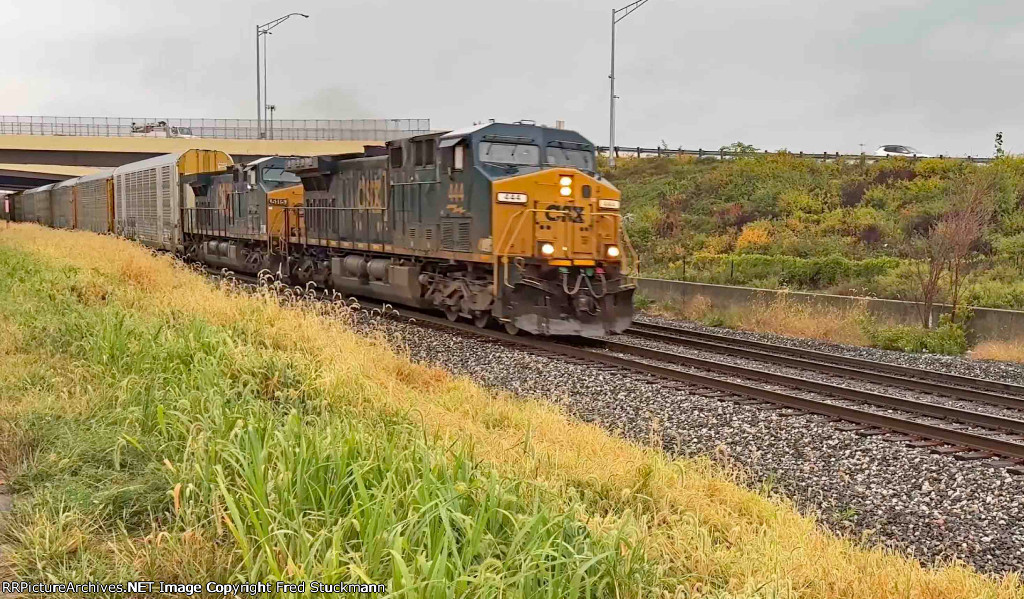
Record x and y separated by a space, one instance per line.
613 251
547 249
566 183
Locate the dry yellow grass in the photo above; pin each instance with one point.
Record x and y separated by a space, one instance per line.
700 523
1005 351
781 316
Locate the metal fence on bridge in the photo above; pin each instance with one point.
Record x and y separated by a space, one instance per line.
293 129
641 152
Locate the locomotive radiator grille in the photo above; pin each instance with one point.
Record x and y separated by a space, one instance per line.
455 234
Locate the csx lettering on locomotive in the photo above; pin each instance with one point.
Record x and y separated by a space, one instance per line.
572 214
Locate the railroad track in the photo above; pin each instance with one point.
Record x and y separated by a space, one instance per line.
968 434
927 381
1002 437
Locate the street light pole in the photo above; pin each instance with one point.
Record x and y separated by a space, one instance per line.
259 101
264 30
617 15
266 96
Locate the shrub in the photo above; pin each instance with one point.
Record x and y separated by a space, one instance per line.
800 201
755 237
948 338
719 244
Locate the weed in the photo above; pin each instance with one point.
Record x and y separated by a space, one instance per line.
1005 351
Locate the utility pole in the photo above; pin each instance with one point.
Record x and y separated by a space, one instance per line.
617 15
264 30
259 101
266 96
270 122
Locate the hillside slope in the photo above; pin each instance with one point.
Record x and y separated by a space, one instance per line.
778 221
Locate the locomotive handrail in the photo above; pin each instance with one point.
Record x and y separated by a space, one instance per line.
520 216
634 258
504 247
303 236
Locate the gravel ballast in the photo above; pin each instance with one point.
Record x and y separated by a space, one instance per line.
933 506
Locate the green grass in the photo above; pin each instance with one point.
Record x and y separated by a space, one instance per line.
155 427
187 427
777 221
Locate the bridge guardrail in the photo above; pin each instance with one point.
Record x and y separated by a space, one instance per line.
290 129
639 151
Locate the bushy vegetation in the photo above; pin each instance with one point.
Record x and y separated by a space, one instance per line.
949 338
782 221
155 427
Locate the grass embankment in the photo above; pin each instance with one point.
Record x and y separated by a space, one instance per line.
781 221
156 427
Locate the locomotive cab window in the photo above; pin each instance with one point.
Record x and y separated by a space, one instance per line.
580 159
275 177
459 158
424 153
509 153
396 156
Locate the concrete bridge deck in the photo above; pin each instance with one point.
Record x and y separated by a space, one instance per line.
30 160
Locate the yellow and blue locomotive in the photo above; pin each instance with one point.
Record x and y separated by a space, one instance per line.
505 222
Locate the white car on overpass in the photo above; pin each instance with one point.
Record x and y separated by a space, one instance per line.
894 150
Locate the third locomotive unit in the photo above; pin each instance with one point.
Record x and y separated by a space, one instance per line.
505 223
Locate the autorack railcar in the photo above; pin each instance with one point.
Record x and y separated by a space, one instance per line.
33 206
7 206
62 204
94 202
149 195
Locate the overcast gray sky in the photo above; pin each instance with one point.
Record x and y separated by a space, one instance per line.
941 75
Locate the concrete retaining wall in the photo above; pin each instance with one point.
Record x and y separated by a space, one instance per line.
987 323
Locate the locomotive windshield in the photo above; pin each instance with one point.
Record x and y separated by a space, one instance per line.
580 159
274 177
508 153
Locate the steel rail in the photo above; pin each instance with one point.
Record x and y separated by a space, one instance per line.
888 401
967 386
737 347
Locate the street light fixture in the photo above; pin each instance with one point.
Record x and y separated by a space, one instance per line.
264 30
617 15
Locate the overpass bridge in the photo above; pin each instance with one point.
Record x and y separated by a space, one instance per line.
36 151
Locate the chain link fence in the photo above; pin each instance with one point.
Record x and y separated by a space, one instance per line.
296 129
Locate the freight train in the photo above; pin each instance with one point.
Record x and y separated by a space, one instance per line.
499 223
